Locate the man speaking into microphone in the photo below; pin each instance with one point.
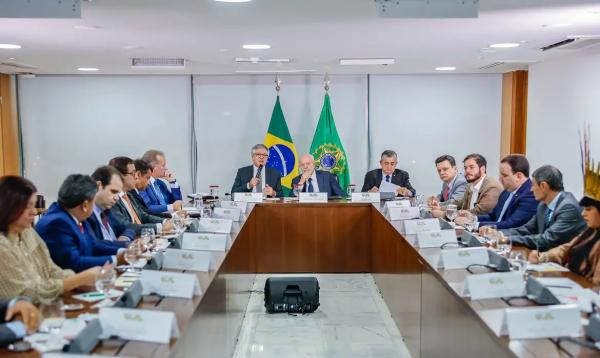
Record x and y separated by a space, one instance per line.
257 177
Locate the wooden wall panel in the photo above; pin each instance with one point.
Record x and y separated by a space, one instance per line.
10 151
514 113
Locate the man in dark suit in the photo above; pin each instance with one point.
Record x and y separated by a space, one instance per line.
257 177
142 180
388 173
17 317
558 218
161 195
68 236
516 204
313 180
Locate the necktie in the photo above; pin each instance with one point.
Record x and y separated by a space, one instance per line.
446 192
80 227
310 186
547 217
135 217
161 199
104 219
387 178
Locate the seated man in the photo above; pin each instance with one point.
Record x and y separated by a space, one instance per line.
388 173
313 180
142 177
17 317
558 218
454 183
103 223
158 196
126 209
257 177
516 204
482 192
68 236
162 173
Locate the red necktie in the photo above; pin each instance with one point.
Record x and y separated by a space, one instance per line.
81 227
105 221
446 192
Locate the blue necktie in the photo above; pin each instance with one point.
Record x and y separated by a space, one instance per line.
547 217
310 186
156 189
387 178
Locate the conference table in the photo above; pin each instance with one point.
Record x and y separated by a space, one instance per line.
335 237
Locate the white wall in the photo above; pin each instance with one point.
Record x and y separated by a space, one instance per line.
563 95
73 124
424 116
232 113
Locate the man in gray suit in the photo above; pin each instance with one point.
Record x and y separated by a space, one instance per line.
558 217
454 183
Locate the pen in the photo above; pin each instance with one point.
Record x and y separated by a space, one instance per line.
95 294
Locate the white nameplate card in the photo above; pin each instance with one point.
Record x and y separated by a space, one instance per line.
170 284
313 197
412 227
186 260
138 325
541 322
220 226
435 238
398 204
248 197
242 206
222 213
404 213
366 197
494 285
463 258
204 242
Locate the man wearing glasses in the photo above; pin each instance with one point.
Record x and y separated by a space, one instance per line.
257 177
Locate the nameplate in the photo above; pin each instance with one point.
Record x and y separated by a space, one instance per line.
242 206
412 227
404 213
220 226
366 197
248 197
204 242
170 284
313 197
187 260
222 213
397 204
435 238
494 285
138 325
463 258
541 322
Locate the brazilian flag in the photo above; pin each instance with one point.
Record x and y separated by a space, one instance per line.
282 152
327 147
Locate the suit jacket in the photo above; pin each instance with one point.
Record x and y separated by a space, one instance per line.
167 187
69 247
7 336
486 200
399 177
245 174
119 212
457 190
153 202
520 210
139 203
119 227
327 183
565 223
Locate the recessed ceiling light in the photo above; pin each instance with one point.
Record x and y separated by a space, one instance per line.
505 45
557 25
11 58
132 47
259 59
88 69
256 46
445 68
366 61
9 46
233 0
87 27
274 71
223 49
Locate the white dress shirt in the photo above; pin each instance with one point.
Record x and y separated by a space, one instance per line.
314 182
475 190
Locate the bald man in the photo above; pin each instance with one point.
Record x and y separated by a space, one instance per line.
316 181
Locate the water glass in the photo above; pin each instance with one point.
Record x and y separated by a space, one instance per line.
53 314
179 222
470 222
206 212
350 189
489 233
105 281
198 202
518 262
504 244
213 191
147 236
133 253
451 212
420 201
297 189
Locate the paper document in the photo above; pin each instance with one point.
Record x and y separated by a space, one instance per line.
387 187
547 267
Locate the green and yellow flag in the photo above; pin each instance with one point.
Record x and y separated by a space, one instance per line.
327 147
282 152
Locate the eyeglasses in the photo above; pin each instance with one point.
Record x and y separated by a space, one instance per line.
260 155
132 173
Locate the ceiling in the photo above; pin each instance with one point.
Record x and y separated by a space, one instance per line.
314 34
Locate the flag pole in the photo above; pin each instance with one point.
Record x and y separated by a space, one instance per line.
277 84
326 82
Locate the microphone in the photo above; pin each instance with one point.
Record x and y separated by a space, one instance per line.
259 171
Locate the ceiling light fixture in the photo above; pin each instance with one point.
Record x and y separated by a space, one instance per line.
9 46
366 61
88 69
87 27
445 68
274 71
258 59
505 45
233 0
557 25
256 46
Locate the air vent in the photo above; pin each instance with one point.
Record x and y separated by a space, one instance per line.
505 65
168 63
20 66
574 43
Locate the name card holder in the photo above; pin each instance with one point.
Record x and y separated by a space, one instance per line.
204 242
170 284
313 197
232 214
187 260
248 197
220 226
404 213
435 238
403 203
411 227
242 206
541 322
494 285
463 258
366 197
138 325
